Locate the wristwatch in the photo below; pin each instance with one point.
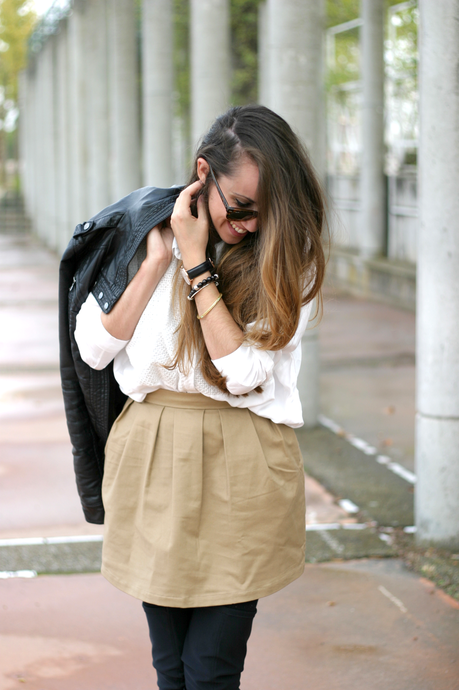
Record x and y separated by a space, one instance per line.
192 273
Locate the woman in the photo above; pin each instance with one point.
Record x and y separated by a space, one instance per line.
203 485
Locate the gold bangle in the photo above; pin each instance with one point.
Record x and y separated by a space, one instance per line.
211 306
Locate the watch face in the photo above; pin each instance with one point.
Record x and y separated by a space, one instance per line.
185 275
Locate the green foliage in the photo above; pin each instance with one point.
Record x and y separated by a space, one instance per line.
346 65
244 51
340 11
181 20
17 19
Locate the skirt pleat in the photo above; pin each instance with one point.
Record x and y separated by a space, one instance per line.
204 502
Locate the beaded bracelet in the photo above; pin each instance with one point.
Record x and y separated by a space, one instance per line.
202 284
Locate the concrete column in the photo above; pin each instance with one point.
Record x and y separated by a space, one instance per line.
36 135
23 98
437 426
157 92
372 185
308 379
295 29
28 155
78 154
124 104
210 64
62 138
48 216
296 46
96 105
263 54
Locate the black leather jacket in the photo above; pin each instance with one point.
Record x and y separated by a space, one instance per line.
102 257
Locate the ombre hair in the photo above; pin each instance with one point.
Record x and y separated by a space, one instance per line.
267 277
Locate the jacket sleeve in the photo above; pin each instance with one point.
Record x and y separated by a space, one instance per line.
97 347
249 367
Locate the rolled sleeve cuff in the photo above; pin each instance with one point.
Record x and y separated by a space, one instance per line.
97 347
245 369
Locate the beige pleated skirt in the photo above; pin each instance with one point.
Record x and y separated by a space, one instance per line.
204 502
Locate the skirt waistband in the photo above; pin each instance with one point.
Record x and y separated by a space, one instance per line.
184 400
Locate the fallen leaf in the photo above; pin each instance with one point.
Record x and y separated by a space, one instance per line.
390 409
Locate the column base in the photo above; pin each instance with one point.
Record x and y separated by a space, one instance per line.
437 487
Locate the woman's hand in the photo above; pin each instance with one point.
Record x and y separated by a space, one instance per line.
124 317
159 248
191 233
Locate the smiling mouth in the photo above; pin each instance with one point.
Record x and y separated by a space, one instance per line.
240 231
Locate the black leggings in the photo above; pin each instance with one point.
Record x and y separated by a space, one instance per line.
200 648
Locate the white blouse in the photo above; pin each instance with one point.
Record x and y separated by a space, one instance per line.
139 369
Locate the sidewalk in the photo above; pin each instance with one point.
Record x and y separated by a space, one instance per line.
362 624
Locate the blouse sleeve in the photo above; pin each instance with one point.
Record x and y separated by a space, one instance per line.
97 347
249 367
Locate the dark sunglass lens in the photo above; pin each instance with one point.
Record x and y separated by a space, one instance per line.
234 214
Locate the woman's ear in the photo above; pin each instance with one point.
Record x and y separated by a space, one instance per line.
202 169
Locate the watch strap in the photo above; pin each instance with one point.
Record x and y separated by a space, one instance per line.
199 270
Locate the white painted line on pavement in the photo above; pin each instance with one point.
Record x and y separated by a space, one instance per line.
368 449
386 538
8 574
361 444
330 424
318 527
332 542
402 472
348 506
33 541
393 599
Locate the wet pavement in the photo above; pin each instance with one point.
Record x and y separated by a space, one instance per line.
346 623
37 489
341 626
367 380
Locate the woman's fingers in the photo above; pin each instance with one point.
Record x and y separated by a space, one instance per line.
201 208
159 245
192 189
191 233
183 203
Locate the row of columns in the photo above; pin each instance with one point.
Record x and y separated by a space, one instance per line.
90 111
83 147
89 136
81 139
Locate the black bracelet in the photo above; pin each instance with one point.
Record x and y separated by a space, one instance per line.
199 270
202 284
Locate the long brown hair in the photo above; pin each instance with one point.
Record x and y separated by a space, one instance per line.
267 277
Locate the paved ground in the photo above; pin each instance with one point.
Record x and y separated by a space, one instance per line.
343 624
37 493
368 373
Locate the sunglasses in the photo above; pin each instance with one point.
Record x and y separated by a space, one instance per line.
232 213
